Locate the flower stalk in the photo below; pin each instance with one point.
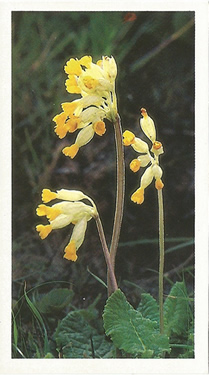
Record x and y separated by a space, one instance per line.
120 189
111 275
153 171
161 260
119 195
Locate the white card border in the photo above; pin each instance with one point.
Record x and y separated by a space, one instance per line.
198 365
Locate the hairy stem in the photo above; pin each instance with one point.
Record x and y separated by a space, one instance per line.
120 191
111 275
161 261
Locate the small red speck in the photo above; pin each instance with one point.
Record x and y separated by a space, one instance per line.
129 17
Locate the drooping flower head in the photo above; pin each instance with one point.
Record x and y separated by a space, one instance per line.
145 159
96 85
70 210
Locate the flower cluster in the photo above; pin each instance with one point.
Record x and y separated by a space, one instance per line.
145 158
69 210
96 85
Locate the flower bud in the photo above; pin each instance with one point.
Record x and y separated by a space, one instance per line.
110 67
148 126
85 136
70 195
157 171
140 146
147 177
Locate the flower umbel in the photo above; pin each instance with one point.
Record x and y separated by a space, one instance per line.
145 159
96 85
70 210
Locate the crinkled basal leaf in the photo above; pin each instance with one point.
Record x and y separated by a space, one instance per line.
131 332
148 307
54 301
177 310
78 339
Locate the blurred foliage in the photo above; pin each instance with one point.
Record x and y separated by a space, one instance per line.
155 58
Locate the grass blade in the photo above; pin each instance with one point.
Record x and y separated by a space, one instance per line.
40 320
97 278
15 330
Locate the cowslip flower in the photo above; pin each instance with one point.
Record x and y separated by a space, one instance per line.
145 159
70 210
96 85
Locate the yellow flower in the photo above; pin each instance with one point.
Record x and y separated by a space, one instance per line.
145 158
154 171
96 84
159 184
83 137
138 196
70 210
70 251
135 165
128 138
71 151
73 67
72 85
99 127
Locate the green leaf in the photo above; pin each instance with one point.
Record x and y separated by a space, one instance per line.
177 310
97 278
49 355
148 307
131 332
54 301
15 330
78 339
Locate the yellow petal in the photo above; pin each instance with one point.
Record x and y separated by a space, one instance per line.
71 151
41 210
52 213
43 230
48 195
86 61
129 138
99 63
61 130
138 196
73 89
60 118
159 184
135 165
72 124
70 251
73 67
72 85
99 127
69 108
